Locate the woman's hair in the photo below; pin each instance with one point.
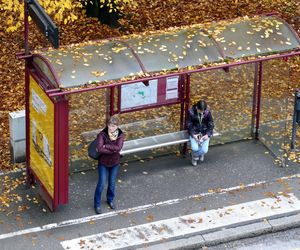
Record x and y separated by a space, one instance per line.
201 105
113 120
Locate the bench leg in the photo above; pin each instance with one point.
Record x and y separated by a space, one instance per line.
184 150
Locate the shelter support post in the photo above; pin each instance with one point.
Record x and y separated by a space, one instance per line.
29 175
187 84
112 101
26 27
258 105
61 148
109 96
254 101
30 180
182 94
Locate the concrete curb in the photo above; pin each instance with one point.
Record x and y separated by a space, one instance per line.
224 235
13 172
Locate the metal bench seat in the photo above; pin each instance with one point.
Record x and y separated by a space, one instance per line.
156 141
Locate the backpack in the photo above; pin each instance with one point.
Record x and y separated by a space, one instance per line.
92 149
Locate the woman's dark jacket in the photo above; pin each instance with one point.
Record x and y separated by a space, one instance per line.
194 126
109 150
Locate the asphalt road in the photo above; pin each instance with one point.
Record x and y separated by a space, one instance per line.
284 240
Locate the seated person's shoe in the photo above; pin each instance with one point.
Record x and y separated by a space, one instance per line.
202 158
98 210
195 159
111 204
194 162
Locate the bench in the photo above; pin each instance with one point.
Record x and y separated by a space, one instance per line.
156 141
147 143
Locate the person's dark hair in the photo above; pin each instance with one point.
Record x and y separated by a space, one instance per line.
201 105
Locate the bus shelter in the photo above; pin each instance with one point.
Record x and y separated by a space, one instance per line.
151 80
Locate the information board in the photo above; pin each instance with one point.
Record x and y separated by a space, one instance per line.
41 113
159 91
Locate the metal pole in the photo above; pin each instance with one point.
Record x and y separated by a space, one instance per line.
182 94
258 101
26 28
187 98
30 178
297 95
112 101
186 108
254 101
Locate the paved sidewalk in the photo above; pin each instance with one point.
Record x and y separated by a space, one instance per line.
210 227
164 190
231 234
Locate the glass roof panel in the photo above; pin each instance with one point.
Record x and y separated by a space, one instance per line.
99 61
178 49
77 66
45 69
255 36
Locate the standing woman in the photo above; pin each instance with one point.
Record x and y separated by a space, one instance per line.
110 143
200 128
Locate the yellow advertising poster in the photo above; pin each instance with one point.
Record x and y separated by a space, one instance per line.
41 136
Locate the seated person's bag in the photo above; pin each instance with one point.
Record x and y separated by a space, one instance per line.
92 149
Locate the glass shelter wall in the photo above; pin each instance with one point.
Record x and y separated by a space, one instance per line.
87 117
229 96
151 122
276 107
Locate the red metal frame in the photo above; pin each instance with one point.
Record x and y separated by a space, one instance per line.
258 106
254 102
61 108
150 106
29 173
186 107
47 84
182 94
51 68
111 100
61 149
119 99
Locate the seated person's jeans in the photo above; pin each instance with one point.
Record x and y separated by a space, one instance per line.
197 149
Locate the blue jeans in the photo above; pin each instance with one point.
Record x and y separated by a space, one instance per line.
198 150
105 173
